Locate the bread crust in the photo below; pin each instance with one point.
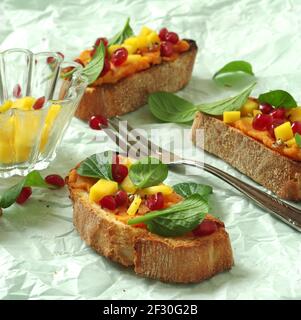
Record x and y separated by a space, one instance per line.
267 167
179 259
132 92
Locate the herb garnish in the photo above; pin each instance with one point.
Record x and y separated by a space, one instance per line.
278 98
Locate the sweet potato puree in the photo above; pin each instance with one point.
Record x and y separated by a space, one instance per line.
245 125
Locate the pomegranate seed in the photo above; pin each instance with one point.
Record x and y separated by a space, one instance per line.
60 54
39 103
79 61
172 37
119 172
108 202
24 195
166 49
162 34
296 126
97 122
262 122
119 57
276 122
106 67
92 52
205 228
266 108
121 198
55 180
155 201
98 40
278 113
50 60
17 91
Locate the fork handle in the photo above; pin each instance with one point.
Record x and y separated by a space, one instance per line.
287 213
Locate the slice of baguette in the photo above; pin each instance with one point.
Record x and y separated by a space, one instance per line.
132 92
269 168
181 259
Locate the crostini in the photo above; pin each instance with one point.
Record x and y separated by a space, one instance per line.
131 217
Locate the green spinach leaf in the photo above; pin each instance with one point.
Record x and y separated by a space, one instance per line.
298 139
278 98
125 33
186 189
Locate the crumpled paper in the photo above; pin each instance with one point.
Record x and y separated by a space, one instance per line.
41 254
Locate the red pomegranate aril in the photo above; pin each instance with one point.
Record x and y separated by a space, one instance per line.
121 198
60 54
119 57
108 202
79 61
39 103
103 40
55 180
166 49
162 34
92 52
205 228
17 91
296 127
119 172
50 60
262 122
155 201
24 195
275 124
172 37
106 67
266 108
278 113
97 122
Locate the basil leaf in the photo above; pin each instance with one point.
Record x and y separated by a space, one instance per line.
125 33
175 220
33 179
229 104
233 68
171 108
278 98
148 172
98 165
298 139
187 189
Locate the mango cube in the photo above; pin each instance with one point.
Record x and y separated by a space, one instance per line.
6 106
248 108
295 114
101 189
153 38
164 189
127 185
142 42
231 116
145 31
132 41
256 112
284 132
24 103
133 58
133 208
130 49
291 142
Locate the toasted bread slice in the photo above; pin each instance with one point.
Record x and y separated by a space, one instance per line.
269 168
132 92
181 259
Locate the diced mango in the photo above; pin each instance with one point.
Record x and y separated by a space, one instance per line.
248 108
284 132
291 142
133 208
256 112
133 58
166 190
295 114
231 116
130 49
113 48
6 106
6 152
142 42
127 185
132 41
24 103
101 189
153 38
145 31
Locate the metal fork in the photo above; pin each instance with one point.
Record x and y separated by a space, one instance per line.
124 138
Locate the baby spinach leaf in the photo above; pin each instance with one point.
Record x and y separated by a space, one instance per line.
125 33
98 165
298 139
186 189
177 219
148 172
278 98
